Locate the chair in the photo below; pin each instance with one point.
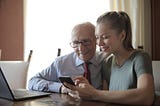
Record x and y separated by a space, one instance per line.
16 72
59 52
156 74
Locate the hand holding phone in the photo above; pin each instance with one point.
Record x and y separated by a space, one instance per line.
66 79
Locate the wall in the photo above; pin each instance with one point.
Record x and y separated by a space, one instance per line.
155 7
11 29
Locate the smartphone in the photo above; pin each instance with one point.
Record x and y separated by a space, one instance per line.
66 79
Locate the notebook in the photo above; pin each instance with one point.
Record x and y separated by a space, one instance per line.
17 94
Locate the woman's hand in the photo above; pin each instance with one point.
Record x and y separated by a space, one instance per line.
84 89
80 79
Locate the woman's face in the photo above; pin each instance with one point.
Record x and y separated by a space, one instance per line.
108 39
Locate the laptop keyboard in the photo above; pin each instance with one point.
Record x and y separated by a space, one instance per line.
26 93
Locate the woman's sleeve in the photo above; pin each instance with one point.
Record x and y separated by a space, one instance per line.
143 64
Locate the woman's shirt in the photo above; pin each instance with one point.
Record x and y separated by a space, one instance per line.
125 77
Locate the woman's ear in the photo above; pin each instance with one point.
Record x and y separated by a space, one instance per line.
122 35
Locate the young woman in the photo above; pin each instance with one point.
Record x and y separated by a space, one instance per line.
127 72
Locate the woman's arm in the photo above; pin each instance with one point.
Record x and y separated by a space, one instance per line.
105 85
142 95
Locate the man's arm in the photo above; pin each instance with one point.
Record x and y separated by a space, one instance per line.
46 80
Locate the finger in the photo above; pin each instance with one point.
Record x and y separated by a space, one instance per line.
74 94
64 89
79 78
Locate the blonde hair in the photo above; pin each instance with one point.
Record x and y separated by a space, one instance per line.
118 21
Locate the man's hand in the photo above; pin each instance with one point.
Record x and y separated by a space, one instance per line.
74 94
65 90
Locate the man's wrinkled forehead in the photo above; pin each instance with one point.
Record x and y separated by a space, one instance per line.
82 34
82 37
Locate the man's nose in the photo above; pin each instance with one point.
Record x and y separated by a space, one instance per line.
80 47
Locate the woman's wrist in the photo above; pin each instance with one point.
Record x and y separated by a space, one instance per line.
95 95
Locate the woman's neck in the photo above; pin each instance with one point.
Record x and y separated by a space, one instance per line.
122 56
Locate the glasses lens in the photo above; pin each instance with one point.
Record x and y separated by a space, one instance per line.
75 44
86 42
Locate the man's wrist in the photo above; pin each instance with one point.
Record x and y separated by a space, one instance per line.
60 89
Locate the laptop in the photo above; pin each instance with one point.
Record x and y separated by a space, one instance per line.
17 94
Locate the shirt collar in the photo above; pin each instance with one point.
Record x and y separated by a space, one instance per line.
79 62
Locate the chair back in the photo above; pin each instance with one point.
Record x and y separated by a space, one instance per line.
16 72
156 74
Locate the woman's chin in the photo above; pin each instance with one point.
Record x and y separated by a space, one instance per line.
105 50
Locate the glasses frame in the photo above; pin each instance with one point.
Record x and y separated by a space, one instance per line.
75 44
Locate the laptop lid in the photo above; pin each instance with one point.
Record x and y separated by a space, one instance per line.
7 93
12 69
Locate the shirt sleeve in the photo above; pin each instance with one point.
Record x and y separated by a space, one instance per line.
143 64
47 80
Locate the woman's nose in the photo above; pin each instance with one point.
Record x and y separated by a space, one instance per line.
100 42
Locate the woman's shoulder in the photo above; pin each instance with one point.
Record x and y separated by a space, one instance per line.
109 58
140 55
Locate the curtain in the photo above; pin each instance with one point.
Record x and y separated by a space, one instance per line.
140 15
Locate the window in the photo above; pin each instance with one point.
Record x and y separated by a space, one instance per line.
48 25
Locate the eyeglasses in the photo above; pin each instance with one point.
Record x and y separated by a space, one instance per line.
103 37
75 44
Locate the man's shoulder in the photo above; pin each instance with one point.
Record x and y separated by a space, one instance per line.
69 59
101 55
66 56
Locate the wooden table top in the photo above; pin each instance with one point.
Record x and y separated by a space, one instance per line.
60 100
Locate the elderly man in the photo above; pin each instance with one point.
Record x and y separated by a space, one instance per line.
83 41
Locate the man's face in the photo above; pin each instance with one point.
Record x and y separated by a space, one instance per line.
84 42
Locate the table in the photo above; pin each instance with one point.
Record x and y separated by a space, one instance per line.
60 100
